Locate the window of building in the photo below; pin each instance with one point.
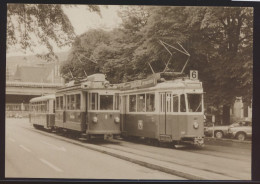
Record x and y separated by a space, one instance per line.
150 103
132 103
175 101
106 102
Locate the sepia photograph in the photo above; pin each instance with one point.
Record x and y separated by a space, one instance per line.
128 92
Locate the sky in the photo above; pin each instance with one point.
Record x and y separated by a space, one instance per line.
82 20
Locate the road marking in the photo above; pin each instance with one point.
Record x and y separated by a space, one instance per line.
10 139
50 165
26 149
54 146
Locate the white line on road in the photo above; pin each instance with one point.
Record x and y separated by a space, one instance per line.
10 139
50 165
54 146
26 149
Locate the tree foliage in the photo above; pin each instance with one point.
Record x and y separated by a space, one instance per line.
30 25
219 40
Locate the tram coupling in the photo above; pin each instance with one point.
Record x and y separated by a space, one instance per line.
199 141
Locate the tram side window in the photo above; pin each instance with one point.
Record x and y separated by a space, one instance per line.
68 102
182 104
132 103
57 103
175 101
141 103
72 102
106 102
168 102
150 103
116 101
93 101
78 101
61 102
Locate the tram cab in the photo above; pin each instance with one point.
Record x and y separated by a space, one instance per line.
90 107
166 111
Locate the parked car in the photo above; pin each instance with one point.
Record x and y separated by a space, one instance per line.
242 131
220 131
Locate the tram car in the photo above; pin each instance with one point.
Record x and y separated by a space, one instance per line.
89 107
163 111
41 111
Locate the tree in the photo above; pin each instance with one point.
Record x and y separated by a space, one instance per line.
218 39
43 24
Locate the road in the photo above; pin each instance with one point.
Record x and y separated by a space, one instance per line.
29 154
51 155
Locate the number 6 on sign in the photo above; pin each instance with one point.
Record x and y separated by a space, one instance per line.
193 74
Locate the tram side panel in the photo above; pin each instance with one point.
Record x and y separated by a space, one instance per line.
59 118
75 120
141 125
103 123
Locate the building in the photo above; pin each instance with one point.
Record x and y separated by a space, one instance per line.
240 110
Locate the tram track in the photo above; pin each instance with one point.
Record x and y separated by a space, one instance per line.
151 160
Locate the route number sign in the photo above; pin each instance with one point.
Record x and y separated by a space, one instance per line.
193 74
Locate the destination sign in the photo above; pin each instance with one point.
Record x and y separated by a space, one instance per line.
144 83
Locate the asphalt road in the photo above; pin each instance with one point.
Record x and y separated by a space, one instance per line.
29 154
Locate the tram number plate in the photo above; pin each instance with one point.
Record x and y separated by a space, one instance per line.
194 74
140 124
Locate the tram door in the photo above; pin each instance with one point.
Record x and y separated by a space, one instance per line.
165 103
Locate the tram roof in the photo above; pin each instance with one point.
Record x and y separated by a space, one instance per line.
43 98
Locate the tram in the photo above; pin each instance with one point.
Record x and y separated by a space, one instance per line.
42 109
89 107
162 110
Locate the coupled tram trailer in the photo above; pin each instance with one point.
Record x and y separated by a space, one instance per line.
163 111
42 111
89 108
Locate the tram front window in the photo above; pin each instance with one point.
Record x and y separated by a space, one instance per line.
106 102
194 102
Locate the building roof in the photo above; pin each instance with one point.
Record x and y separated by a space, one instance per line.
32 74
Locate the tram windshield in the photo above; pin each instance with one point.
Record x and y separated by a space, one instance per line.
194 102
106 102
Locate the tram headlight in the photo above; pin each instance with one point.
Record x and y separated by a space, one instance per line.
196 125
117 119
95 119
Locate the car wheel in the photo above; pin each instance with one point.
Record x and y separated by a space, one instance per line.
241 136
219 134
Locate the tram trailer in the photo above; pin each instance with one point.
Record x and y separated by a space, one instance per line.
41 112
